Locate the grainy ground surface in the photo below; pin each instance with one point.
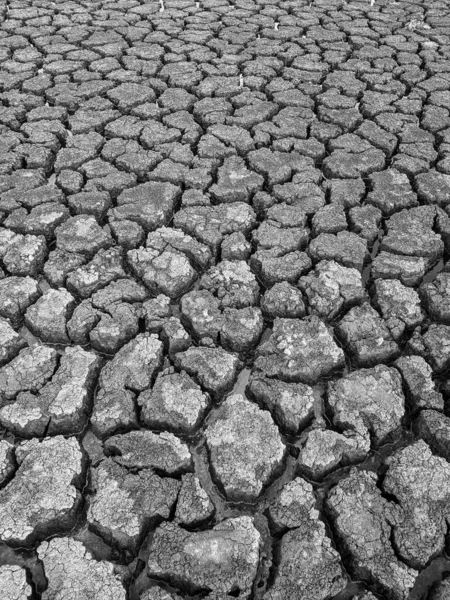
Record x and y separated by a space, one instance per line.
224 299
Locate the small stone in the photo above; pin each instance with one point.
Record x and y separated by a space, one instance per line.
245 448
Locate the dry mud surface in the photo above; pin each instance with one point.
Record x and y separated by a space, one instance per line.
224 299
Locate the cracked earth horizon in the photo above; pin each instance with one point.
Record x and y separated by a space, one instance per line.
224 299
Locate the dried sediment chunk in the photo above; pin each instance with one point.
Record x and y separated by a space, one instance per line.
47 319
295 506
210 224
25 255
108 320
436 297
157 593
368 400
400 306
245 448
10 342
149 204
291 404
417 375
345 247
434 428
29 371
162 271
410 233
105 267
146 450
194 505
13 583
42 497
433 346
233 283
283 300
16 295
330 288
215 369
83 235
420 483
132 370
408 269
235 183
134 366
367 336
175 402
73 574
309 567
223 559
391 192
363 521
62 405
124 504
299 351
7 461
325 449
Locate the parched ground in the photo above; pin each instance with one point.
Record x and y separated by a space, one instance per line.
224 299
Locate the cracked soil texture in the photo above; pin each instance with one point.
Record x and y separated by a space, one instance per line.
224 299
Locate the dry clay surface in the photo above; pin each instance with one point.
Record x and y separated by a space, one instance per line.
224 299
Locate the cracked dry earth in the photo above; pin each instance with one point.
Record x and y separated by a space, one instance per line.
224 299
